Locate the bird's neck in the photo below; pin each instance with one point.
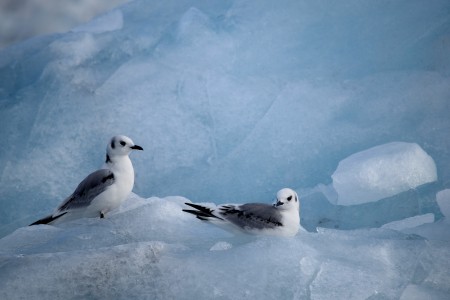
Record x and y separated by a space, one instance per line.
119 164
291 220
292 214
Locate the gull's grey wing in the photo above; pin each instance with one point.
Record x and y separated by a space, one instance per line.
251 215
93 185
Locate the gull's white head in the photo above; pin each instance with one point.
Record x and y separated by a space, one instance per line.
287 199
121 145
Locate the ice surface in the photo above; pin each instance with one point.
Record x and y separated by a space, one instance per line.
414 292
150 249
410 222
231 100
109 22
221 246
318 211
24 19
381 172
443 200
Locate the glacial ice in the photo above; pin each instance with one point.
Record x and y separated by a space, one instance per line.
410 222
233 100
104 23
443 200
150 249
381 172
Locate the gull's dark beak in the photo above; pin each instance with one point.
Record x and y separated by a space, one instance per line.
279 203
136 147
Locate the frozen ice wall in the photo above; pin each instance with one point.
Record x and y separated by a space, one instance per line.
23 19
345 102
231 101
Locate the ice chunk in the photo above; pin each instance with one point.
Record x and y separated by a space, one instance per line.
221 246
72 51
381 172
26 19
438 231
89 274
417 292
443 200
193 21
108 22
410 222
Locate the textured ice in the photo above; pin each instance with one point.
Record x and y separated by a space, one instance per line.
20 20
150 249
410 222
381 172
108 22
221 246
443 200
414 292
231 100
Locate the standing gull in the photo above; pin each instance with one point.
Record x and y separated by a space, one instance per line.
282 218
102 190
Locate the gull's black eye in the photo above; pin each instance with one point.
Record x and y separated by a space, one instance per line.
123 143
112 144
289 198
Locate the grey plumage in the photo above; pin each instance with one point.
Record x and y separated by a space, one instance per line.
103 190
282 218
250 215
92 186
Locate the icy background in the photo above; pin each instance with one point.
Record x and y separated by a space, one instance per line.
22 19
348 103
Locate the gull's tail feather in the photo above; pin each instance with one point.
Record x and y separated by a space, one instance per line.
201 212
47 219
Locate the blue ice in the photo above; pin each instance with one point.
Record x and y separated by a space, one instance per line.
347 103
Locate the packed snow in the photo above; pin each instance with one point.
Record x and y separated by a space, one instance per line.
346 103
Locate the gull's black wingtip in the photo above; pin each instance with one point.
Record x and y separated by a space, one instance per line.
201 212
47 220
